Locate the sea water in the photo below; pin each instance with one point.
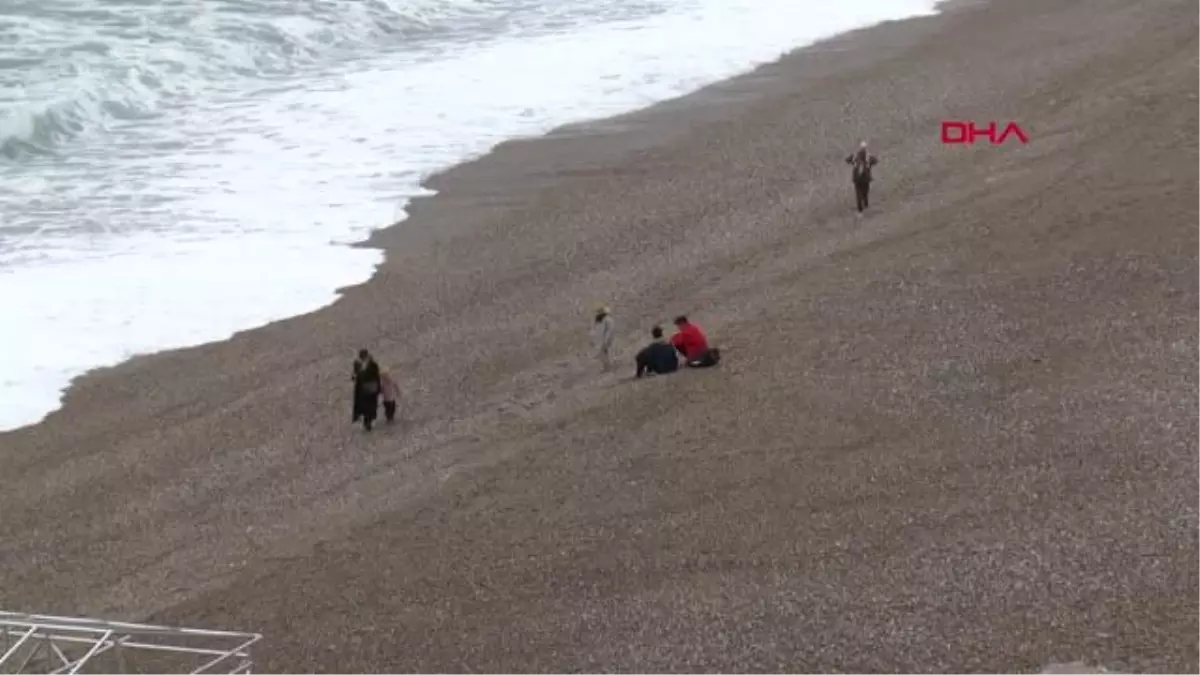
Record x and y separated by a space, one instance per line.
174 171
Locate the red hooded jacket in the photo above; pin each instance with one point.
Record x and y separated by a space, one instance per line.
691 341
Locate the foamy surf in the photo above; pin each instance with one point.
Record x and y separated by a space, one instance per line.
177 174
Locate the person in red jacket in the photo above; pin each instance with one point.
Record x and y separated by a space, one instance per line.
692 343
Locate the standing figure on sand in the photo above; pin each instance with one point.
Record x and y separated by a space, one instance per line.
861 163
367 383
390 391
603 334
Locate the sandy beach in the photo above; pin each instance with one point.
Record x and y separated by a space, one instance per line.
957 434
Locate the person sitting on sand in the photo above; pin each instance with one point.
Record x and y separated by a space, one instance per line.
366 389
693 344
860 173
603 333
387 387
658 357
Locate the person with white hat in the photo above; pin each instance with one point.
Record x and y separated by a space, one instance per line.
862 163
603 334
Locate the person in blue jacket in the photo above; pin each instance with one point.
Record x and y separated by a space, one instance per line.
658 357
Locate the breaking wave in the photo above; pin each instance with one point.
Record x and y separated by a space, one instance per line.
84 66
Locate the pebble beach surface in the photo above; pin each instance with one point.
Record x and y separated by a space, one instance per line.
958 434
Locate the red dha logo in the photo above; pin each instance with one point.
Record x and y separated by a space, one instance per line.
954 132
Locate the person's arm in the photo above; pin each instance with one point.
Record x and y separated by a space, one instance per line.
874 160
850 159
677 343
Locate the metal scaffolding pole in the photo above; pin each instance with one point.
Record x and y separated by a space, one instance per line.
32 643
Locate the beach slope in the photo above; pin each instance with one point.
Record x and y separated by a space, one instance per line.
957 434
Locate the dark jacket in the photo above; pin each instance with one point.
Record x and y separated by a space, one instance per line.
366 377
366 389
657 358
862 162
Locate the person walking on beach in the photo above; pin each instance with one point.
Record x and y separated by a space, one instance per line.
691 342
658 357
861 163
366 389
387 386
603 334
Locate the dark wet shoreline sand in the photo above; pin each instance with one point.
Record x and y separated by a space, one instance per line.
956 435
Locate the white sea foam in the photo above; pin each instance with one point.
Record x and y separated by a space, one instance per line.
234 213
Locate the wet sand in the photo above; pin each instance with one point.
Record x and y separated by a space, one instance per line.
958 434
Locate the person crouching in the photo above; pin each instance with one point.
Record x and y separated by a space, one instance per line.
658 357
691 342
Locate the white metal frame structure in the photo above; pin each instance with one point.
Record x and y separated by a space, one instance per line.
31 643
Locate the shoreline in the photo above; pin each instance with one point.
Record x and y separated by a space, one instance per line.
907 400
336 292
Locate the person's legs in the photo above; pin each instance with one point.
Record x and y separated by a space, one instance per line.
708 359
860 199
389 411
867 195
370 412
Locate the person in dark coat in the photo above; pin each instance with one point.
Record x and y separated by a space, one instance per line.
366 389
861 163
658 357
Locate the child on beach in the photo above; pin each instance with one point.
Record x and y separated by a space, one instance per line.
602 336
390 391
